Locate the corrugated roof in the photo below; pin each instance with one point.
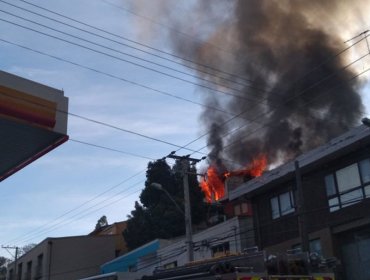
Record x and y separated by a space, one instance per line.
337 146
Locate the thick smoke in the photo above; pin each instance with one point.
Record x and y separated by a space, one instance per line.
289 89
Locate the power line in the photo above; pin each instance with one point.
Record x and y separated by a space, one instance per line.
137 43
239 114
182 147
81 205
84 213
125 60
98 122
110 149
119 78
284 103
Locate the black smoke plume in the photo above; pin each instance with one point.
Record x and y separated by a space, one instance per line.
293 92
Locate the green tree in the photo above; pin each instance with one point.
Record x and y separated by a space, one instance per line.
102 222
157 216
3 263
26 248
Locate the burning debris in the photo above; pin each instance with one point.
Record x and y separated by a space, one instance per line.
213 184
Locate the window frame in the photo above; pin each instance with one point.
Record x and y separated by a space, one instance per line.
220 249
280 211
364 188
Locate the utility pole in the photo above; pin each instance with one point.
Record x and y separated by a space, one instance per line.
301 209
185 161
15 257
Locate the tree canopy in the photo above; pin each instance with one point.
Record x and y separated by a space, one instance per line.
156 216
102 222
3 262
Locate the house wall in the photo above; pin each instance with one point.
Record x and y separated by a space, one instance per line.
65 258
129 261
73 258
318 218
236 232
343 234
272 231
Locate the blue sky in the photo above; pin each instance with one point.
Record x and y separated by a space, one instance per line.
60 193
73 174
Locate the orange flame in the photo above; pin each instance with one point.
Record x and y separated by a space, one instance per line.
213 185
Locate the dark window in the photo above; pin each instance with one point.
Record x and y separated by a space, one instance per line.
314 246
40 259
221 249
132 268
282 204
11 274
19 272
28 271
170 265
348 185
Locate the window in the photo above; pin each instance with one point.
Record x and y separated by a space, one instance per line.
348 185
19 272
221 249
132 268
11 274
170 265
28 271
40 259
241 209
314 246
237 210
282 204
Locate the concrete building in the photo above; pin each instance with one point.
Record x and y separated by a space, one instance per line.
335 180
115 229
225 238
64 258
231 236
130 261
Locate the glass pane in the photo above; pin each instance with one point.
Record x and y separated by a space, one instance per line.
365 170
330 185
334 204
286 206
315 246
351 197
275 208
367 191
237 210
348 178
245 208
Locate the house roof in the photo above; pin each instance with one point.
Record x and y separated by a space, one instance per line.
33 121
339 146
117 227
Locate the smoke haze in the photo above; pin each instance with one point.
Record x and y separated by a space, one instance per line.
290 91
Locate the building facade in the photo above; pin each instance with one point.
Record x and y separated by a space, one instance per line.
64 258
115 229
331 217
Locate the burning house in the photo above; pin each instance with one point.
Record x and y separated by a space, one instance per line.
275 77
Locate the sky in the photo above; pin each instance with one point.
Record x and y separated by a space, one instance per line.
66 191
74 174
